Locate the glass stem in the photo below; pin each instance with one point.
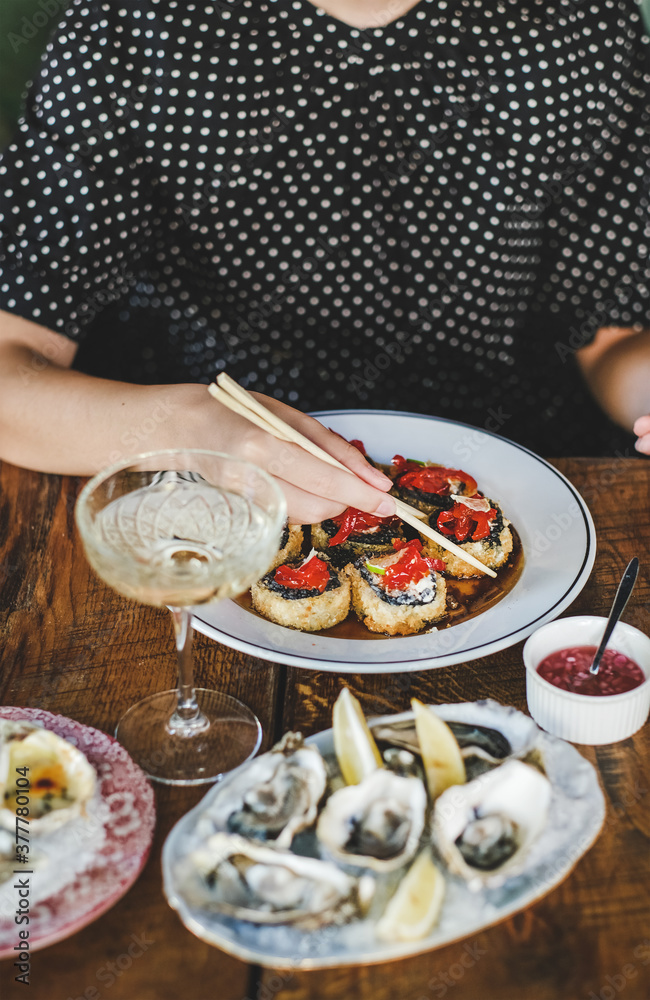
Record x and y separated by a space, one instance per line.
187 718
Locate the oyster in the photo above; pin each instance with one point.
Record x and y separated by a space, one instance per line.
481 747
61 779
403 762
255 882
483 829
376 824
273 797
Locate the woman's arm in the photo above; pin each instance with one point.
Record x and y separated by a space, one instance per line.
57 420
616 366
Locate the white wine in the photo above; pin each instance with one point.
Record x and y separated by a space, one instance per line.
181 541
180 527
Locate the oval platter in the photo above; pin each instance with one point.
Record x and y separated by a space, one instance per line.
576 815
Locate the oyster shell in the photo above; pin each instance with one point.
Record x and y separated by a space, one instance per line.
61 779
376 824
483 829
482 747
273 797
261 884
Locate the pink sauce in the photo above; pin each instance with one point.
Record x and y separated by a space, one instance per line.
569 669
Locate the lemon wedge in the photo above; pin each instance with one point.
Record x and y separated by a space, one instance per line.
441 756
356 750
415 907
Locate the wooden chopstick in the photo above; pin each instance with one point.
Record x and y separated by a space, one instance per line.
233 404
235 398
269 422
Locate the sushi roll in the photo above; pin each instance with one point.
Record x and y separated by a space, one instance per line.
290 545
477 525
400 593
307 594
425 485
354 533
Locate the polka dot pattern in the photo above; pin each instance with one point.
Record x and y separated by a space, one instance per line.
431 215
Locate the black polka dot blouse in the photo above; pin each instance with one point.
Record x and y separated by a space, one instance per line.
430 216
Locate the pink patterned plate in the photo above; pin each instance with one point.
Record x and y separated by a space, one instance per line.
121 852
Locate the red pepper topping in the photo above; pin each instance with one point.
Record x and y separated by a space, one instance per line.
355 522
431 478
461 521
312 575
410 567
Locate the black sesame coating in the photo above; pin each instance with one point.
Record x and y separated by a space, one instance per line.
436 500
426 597
291 594
496 527
340 556
349 550
384 536
285 537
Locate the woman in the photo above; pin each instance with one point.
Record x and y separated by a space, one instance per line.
389 204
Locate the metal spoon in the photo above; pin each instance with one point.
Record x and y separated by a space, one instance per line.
625 588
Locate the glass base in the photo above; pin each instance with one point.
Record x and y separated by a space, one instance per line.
205 753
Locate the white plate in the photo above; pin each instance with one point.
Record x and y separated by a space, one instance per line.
554 524
576 814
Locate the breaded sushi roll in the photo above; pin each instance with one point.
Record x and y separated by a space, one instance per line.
400 593
307 594
290 545
479 526
424 485
354 533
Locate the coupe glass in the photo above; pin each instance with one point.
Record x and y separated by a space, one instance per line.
180 528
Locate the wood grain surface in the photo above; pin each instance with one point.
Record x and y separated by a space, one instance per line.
71 645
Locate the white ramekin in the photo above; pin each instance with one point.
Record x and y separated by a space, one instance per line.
583 718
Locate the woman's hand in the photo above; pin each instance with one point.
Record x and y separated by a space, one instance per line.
642 430
314 490
616 366
54 419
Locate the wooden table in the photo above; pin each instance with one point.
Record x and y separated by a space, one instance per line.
72 646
